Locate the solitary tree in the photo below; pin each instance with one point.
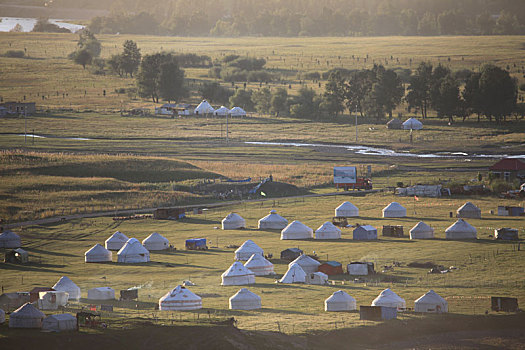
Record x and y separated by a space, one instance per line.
334 94
498 92
130 57
279 102
262 100
83 57
418 95
171 80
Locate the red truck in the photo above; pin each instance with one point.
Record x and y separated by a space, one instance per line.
360 184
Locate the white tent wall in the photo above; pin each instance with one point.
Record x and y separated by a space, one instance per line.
389 299
394 210
247 249
297 230
421 231
272 221
340 301
101 293
26 316
133 252
295 274
156 241
346 210
116 241
259 265
245 300
357 269
59 323
461 230
328 231
233 221
237 275
98 254
431 302
180 299
52 300
65 284
308 264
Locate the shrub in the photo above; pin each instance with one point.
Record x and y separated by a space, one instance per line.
15 54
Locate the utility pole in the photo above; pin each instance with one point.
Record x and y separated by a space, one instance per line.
227 140
356 123
25 127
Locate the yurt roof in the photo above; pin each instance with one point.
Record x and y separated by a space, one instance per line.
273 217
430 297
389 295
180 293
237 111
8 235
328 227
102 289
97 249
65 282
461 226
294 269
394 206
296 226
155 237
340 296
367 227
245 294
412 121
233 217
237 269
421 227
257 260
347 206
204 107
133 246
62 317
305 260
468 206
117 237
27 311
222 111
249 246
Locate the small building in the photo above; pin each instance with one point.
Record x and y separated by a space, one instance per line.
133 252
291 254
510 211
222 111
259 265
237 112
60 323
393 230
340 301
52 300
12 301
34 294
331 268
65 284
461 230
181 109
431 302
297 230
16 256
346 210
129 294
469 210
2 316
390 299
328 231
364 233
319 278
272 221
3 111
394 210
24 108
377 313
204 108
505 233
358 268
247 249
394 123
196 244
504 304
509 169
26 316
98 254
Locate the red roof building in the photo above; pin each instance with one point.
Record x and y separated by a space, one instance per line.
331 268
509 169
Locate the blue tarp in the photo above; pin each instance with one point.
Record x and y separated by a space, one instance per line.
196 243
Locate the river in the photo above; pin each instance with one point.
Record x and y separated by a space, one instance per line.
27 24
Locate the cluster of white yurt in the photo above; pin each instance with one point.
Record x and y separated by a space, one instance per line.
237 275
431 302
469 210
461 230
308 264
389 299
247 249
59 323
156 241
259 265
297 230
328 231
180 299
133 252
9 239
116 241
394 210
295 274
98 254
272 221
101 293
233 221
65 284
245 300
26 316
421 231
52 300
340 301
346 210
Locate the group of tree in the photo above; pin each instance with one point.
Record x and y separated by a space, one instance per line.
88 48
126 62
43 25
234 68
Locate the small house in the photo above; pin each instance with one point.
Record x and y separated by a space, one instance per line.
291 254
510 211
358 268
244 299
509 169
34 294
129 294
331 268
364 233
393 230
505 233
504 304
26 316
16 256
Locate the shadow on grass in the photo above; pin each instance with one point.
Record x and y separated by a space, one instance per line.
35 267
193 220
48 252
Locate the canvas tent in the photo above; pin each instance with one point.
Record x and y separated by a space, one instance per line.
316 278
259 265
237 275
133 252
98 254
156 241
295 274
412 124
101 293
272 221
340 301
364 233
180 299
59 323
394 123
421 231
237 112
204 108
328 231
65 284
469 210
297 230
222 111
308 264
394 210
12 301
247 249
116 241
431 302
26 316
346 210
52 300
9 239
291 254
358 268
389 299
245 300
233 221
461 230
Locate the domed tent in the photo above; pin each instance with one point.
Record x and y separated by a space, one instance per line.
2 316
421 231
237 112
308 264
469 210
26 316
233 221
295 274
180 299
52 299
98 254
431 302
247 249
412 123
272 221
101 293
245 300
390 299
394 123
204 108
59 323
394 210
156 241
222 111
259 265
461 230
116 241
328 231
133 252
9 239
237 275
346 210
340 301
297 230
65 284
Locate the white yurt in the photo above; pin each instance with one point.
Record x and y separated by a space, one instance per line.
390 299
346 210
469 210
133 252
116 241
247 249
156 241
180 299
412 123
297 230
65 284
60 323
259 265
52 300
421 231
319 278
295 274
204 108
328 231
26 316
272 221
461 230
431 302
237 112
308 264
9 239
394 210
101 293
233 221
98 254
245 300
340 301
222 111
2 316
237 275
